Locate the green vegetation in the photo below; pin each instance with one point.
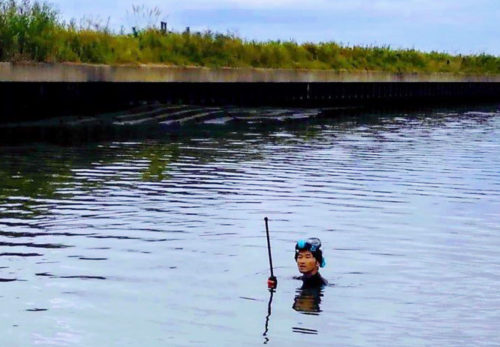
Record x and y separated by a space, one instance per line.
33 32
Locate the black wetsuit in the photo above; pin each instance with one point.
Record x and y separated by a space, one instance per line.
314 281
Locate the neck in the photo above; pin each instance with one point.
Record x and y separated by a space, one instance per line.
312 273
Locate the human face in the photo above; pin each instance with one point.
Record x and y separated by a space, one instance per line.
307 264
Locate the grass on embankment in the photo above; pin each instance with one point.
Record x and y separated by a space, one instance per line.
33 32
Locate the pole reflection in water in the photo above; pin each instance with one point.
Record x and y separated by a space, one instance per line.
269 307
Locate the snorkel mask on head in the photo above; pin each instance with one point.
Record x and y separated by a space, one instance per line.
313 245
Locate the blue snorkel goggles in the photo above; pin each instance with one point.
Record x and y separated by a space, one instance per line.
313 245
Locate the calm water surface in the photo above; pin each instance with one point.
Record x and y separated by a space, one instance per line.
161 242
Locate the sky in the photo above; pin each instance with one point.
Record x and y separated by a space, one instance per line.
452 26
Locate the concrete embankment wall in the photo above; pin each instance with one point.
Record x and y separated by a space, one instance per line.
34 91
74 73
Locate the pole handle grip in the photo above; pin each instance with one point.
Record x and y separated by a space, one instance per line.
272 282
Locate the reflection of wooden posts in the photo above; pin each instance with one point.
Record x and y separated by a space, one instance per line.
164 27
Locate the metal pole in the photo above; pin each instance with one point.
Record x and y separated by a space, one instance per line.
269 251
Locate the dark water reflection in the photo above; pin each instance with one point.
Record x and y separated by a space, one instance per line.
308 300
161 241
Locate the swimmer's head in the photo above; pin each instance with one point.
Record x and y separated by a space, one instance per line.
309 256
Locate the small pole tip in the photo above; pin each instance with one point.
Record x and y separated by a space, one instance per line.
265 218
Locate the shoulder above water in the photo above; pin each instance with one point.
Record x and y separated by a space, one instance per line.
312 281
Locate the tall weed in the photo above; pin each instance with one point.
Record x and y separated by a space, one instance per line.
33 31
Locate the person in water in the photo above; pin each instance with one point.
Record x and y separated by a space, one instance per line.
309 258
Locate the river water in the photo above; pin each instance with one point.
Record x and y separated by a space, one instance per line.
161 241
